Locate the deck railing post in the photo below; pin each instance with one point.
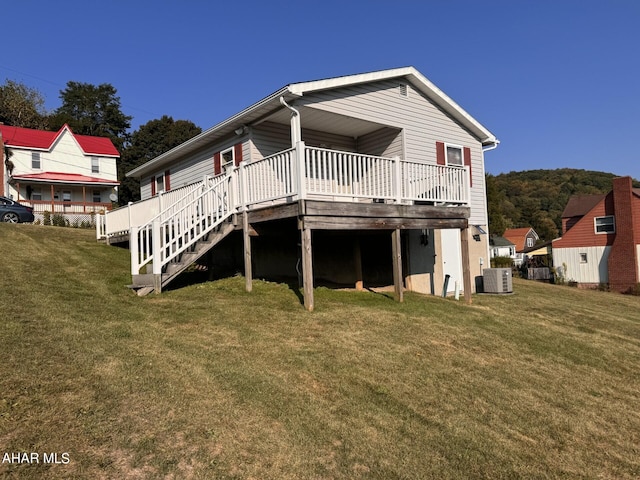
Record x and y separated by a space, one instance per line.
467 185
156 250
134 248
300 165
398 179
242 185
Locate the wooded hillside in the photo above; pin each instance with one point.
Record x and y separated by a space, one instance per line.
536 198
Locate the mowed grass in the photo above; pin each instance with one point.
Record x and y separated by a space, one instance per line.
208 381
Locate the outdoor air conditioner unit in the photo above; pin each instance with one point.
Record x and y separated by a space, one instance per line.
497 280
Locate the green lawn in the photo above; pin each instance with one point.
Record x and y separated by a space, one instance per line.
208 381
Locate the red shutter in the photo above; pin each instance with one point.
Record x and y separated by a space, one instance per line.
153 186
466 153
167 180
237 154
440 158
217 169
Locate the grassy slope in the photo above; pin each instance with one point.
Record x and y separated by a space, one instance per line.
208 381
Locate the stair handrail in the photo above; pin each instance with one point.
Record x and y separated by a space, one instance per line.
156 236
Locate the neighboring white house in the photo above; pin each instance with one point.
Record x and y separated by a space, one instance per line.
372 166
501 247
59 172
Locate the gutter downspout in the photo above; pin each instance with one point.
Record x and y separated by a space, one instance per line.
486 206
296 134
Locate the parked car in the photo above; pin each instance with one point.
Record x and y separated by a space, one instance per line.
14 212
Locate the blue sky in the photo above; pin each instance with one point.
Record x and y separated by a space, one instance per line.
556 81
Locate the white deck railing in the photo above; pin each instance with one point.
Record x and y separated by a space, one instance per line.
177 228
163 227
122 219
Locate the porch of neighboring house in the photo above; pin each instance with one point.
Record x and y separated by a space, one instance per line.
78 200
313 190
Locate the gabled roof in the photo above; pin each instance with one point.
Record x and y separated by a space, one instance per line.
579 205
293 91
20 137
498 241
518 235
67 178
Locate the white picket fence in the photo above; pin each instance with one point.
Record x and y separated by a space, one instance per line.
163 227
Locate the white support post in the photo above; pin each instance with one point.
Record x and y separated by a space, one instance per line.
398 179
300 165
134 248
129 212
242 185
156 250
467 184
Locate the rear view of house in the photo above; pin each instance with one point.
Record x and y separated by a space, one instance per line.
601 238
365 179
59 172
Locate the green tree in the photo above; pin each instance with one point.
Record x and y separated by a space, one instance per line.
22 106
92 110
495 200
150 140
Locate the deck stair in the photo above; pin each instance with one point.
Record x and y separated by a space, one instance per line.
172 241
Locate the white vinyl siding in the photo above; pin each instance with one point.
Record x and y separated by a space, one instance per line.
594 270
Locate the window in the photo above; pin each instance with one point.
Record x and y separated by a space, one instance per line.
529 242
605 224
583 258
66 196
454 155
160 183
95 165
226 158
97 198
35 161
36 193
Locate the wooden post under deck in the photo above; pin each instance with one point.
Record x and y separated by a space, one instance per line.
248 273
396 249
307 268
466 267
357 259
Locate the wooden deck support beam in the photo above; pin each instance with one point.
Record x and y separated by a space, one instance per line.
248 272
307 268
396 249
466 264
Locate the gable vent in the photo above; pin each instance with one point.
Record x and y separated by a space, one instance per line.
403 90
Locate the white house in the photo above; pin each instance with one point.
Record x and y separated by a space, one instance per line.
59 172
381 172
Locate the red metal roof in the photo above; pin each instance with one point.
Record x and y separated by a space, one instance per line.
44 140
57 177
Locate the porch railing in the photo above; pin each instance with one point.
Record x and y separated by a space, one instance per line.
57 206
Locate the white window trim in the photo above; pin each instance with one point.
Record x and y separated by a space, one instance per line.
613 223
584 258
224 164
95 165
34 154
446 155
